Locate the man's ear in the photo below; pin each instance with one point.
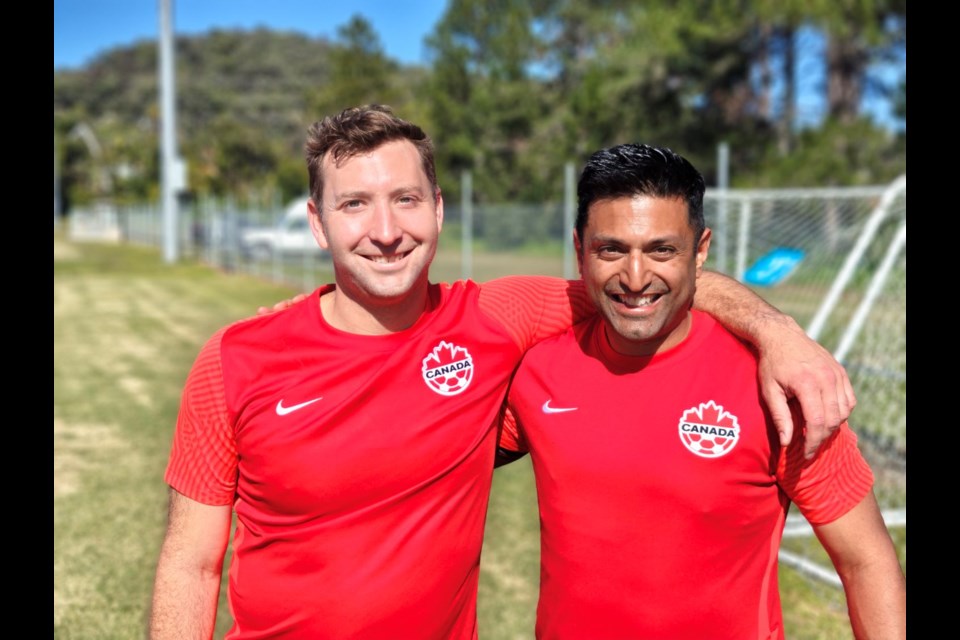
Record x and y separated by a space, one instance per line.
703 249
439 210
578 249
316 224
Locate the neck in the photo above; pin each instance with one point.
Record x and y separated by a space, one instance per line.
364 318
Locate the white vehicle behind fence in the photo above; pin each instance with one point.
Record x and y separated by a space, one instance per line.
290 236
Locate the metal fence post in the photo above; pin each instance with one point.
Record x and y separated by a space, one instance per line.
723 224
466 221
569 206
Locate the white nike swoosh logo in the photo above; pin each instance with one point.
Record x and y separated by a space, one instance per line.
548 409
282 410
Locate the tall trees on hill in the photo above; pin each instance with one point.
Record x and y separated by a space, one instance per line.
241 100
483 96
516 88
540 83
360 72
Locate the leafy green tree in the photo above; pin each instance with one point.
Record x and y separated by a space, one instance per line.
838 153
859 32
231 158
485 100
291 177
900 100
256 80
360 72
670 73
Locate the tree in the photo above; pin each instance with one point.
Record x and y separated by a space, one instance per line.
859 32
833 154
231 158
360 72
484 100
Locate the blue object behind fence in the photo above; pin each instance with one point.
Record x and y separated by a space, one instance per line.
774 267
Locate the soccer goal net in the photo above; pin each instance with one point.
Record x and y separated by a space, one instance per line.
836 260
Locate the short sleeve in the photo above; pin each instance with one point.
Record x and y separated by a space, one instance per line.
203 458
831 484
533 308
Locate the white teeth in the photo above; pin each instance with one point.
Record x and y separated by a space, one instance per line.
637 301
387 259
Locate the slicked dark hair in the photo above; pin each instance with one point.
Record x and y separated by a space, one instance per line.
361 130
628 170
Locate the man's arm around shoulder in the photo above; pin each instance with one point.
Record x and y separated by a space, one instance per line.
863 554
187 584
791 364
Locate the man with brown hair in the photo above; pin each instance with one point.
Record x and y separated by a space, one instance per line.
354 433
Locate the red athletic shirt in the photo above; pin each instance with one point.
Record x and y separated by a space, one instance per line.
359 466
662 487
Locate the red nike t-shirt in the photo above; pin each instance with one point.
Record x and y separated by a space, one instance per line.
360 466
662 486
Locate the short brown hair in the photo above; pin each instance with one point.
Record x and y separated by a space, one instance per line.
361 130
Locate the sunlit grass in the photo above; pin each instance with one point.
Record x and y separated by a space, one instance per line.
126 330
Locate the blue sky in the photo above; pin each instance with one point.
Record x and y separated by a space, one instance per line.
84 28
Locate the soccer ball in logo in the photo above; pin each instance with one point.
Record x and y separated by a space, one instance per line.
448 369
708 430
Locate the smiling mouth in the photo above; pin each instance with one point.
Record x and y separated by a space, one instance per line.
396 257
635 301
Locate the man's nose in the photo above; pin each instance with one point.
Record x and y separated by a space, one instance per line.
634 275
384 228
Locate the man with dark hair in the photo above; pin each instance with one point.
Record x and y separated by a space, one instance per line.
354 433
662 486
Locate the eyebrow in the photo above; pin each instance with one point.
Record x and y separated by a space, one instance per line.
349 195
671 238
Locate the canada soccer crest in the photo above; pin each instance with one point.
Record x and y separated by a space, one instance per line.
448 369
709 430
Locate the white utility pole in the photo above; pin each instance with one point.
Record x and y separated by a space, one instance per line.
171 173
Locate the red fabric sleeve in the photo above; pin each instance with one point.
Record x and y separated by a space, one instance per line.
203 458
831 484
532 308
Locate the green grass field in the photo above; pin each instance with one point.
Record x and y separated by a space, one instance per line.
126 330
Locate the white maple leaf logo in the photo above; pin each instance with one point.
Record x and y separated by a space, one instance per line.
709 430
448 369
